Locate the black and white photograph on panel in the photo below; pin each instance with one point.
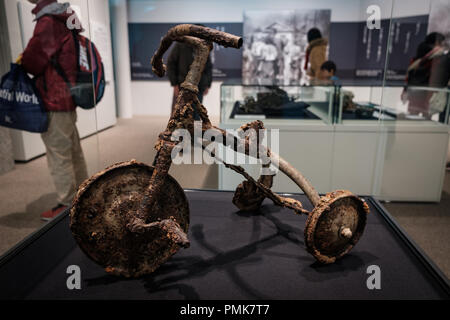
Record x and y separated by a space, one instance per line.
275 44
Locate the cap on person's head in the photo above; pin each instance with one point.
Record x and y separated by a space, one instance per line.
314 34
329 65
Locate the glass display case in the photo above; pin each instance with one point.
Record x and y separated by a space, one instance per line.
359 136
289 104
334 103
393 102
406 134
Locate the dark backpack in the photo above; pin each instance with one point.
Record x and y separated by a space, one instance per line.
90 79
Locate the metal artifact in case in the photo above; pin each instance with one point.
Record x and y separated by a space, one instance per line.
292 103
131 217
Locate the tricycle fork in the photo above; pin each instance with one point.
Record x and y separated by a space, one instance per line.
183 116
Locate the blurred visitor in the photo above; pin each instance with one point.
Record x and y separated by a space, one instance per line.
180 59
49 42
428 56
439 78
327 72
316 53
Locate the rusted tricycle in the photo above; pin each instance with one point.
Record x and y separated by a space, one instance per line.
132 217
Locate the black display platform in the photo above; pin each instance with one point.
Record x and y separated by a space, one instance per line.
233 255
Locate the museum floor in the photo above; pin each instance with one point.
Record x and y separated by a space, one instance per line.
27 191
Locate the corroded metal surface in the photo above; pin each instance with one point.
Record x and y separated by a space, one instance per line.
248 197
335 225
130 218
106 204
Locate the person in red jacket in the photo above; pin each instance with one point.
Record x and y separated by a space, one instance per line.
52 41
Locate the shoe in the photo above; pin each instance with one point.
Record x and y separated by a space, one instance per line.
50 214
